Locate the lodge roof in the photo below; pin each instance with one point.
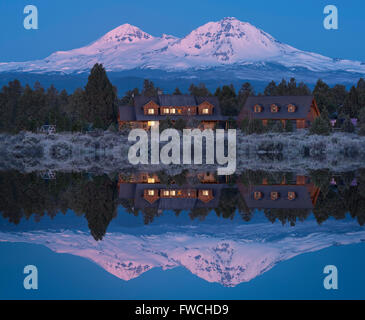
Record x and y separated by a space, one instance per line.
137 192
127 113
302 104
302 200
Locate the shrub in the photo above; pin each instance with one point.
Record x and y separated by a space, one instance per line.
278 127
362 130
289 126
320 126
347 125
255 126
244 125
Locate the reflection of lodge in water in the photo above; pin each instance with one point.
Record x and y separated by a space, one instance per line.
147 191
298 194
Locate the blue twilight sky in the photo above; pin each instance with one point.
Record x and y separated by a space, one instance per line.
68 24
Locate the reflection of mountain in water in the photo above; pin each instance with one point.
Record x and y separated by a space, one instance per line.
227 254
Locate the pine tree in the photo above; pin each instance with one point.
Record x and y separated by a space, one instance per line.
100 98
177 92
149 89
347 125
245 91
271 89
351 106
227 100
361 92
199 91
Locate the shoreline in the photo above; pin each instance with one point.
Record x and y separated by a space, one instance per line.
107 152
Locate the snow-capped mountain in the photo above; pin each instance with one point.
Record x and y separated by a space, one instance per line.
226 44
224 254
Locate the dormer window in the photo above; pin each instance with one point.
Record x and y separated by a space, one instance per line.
151 193
205 111
172 193
205 193
274 108
274 195
291 195
151 111
166 193
257 108
291 108
166 111
173 111
257 195
151 180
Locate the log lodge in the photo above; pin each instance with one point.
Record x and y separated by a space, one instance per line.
300 110
148 111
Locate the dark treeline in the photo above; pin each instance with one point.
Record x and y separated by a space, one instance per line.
96 105
26 108
23 196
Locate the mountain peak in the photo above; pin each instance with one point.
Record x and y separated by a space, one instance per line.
126 33
230 40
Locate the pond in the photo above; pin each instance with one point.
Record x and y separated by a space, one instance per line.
194 235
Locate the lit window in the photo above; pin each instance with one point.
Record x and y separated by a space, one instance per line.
151 180
166 193
291 108
166 111
274 195
151 192
173 111
274 108
151 111
205 111
257 195
257 108
291 195
205 193
152 123
172 193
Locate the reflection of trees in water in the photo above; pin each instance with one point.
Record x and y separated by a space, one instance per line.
24 195
95 198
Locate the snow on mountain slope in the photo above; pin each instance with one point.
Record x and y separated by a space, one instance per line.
225 254
228 42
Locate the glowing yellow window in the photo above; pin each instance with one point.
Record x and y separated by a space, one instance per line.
151 180
166 193
274 108
257 195
291 195
274 195
257 108
291 108
151 111
151 192
152 123
173 111
205 111
166 111
173 193
205 193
